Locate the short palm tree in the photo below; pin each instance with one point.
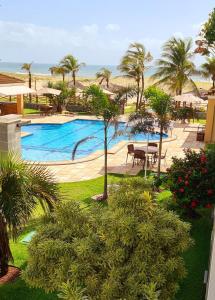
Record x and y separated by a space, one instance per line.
208 69
104 75
175 68
133 65
22 186
58 70
71 64
27 67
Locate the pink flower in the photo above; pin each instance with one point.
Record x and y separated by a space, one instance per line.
193 203
181 190
210 192
186 183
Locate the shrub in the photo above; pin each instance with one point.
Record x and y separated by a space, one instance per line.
128 250
192 179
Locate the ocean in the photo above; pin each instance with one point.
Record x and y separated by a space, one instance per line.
86 71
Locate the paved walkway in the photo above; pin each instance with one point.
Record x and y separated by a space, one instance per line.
116 162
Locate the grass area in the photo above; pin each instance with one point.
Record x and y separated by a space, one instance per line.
29 111
199 121
196 258
130 108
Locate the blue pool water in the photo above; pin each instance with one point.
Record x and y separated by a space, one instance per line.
54 142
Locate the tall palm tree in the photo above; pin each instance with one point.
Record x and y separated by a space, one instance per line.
133 65
22 186
208 69
104 75
27 67
175 68
71 64
58 70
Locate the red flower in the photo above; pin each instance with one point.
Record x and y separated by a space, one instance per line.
186 183
193 203
204 170
203 158
181 190
210 192
208 205
180 179
187 176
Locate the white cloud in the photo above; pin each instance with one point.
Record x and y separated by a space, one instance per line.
91 29
112 27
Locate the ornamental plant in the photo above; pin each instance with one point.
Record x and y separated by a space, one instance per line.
130 249
192 180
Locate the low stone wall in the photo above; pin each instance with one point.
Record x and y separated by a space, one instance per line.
210 293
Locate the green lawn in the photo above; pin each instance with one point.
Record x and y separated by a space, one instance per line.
196 258
29 111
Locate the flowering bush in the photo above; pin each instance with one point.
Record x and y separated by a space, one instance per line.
192 180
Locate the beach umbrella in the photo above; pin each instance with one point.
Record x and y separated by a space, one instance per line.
188 99
47 90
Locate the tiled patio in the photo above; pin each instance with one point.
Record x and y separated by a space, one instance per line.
116 162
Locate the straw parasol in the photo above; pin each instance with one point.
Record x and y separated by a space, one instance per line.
188 99
47 90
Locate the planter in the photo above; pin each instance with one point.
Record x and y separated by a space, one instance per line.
12 274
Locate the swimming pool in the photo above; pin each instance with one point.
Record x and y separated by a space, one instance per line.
55 142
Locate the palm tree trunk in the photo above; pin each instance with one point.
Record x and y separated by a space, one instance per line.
73 77
105 194
29 84
5 253
107 83
142 89
138 94
160 150
63 77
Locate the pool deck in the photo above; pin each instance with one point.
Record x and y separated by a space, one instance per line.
93 168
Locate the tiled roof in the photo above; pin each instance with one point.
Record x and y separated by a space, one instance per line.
5 79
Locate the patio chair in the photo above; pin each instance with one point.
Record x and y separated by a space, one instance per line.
139 157
163 156
130 151
152 144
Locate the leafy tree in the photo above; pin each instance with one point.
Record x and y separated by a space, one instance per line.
206 41
128 250
175 68
21 187
59 101
27 67
208 69
71 64
192 180
104 75
133 65
59 70
161 104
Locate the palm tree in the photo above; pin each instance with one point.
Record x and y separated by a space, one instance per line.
208 69
22 186
175 68
161 104
58 70
133 66
71 64
104 74
27 68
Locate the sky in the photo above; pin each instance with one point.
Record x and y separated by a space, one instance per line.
95 31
